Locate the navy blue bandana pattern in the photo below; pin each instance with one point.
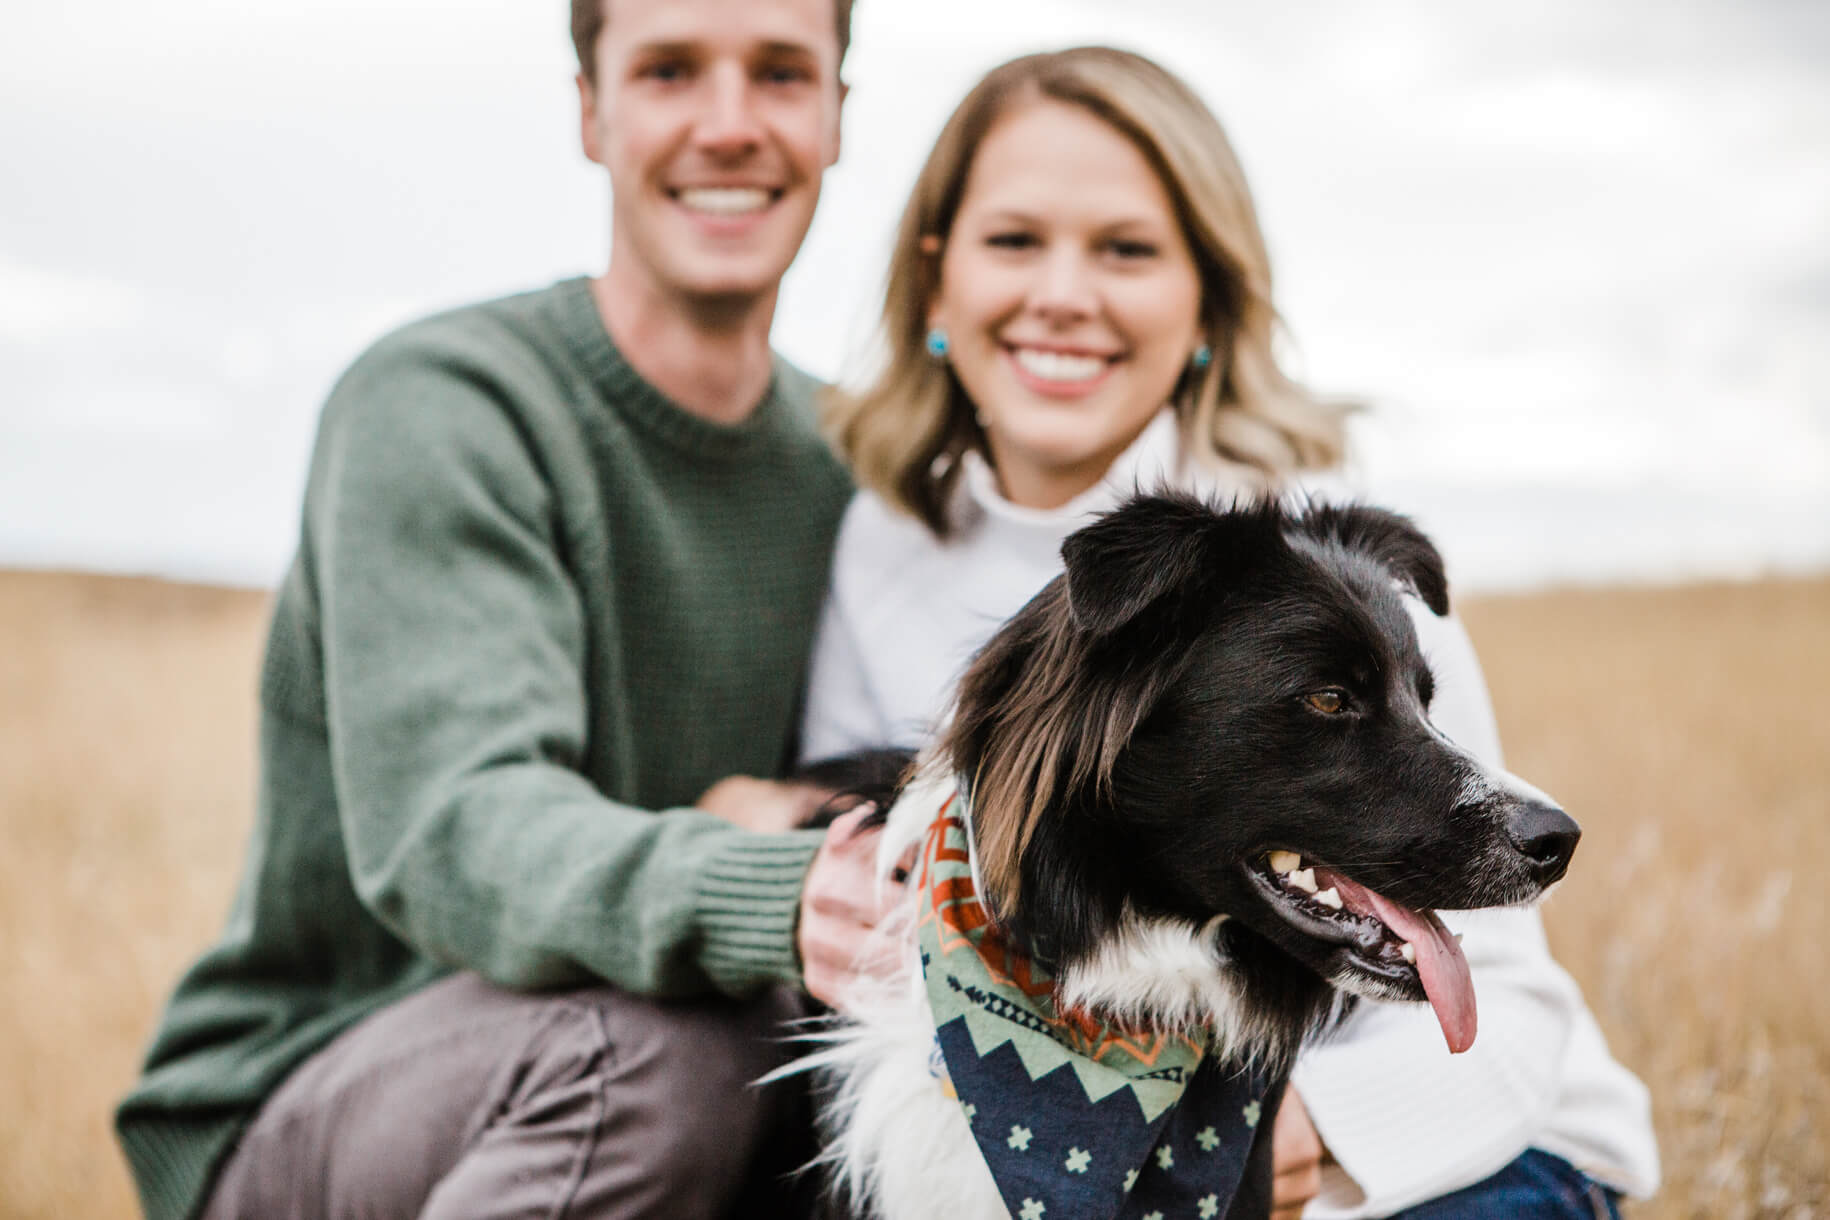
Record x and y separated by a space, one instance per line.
1075 1117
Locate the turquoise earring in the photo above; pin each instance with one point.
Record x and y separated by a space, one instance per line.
1203 356
937 342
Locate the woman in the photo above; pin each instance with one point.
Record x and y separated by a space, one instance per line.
1079 304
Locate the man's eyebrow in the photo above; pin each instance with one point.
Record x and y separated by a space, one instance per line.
666 47
771 48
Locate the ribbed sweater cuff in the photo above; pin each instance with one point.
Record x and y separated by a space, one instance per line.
747 901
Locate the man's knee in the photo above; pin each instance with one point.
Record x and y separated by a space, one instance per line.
685 1121
466 1098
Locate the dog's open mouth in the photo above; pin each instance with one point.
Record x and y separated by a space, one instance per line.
1383 939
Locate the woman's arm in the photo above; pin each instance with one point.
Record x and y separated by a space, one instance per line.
1402 1119
840 715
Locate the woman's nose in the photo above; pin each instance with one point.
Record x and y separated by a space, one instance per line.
1064 288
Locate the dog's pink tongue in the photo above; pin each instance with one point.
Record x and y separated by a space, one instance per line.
1440 964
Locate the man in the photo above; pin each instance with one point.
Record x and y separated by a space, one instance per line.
559 568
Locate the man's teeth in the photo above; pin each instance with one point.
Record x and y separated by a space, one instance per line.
725 200
1059 366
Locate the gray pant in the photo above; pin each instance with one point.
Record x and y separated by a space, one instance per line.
465 1100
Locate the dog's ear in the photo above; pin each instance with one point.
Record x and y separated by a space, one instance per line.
1388 539
1154 551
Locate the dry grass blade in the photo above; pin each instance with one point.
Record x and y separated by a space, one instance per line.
1680 726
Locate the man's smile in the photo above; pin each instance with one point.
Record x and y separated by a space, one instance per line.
725 201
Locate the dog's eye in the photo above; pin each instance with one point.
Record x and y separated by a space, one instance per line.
1329 702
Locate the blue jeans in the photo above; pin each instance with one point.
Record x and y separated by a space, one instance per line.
1537 1186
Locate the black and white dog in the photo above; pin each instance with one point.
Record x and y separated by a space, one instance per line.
1206 794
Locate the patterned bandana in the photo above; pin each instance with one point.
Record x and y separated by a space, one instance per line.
1074 1116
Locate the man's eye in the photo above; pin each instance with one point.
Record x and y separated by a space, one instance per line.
664 70
785 75
1328 702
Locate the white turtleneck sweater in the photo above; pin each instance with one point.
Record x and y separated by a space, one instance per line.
1404 1120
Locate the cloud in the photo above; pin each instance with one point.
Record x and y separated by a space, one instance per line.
1574 246
40 305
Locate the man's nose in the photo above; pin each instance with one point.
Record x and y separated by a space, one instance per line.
729 124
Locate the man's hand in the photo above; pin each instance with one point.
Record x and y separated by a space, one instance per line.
1296 1159
770 806
840 906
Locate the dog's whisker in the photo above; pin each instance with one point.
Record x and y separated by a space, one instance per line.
1125 740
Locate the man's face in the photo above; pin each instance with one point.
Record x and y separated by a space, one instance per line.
715 119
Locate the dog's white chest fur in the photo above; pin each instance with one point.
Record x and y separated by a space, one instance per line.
897 1138
899 1141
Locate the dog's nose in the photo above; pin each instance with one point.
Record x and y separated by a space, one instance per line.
1546 836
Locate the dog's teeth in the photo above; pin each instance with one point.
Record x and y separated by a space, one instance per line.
1302 879
1330 898
1458 938
1285 861
1408 952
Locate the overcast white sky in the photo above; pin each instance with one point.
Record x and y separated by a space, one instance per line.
1577 255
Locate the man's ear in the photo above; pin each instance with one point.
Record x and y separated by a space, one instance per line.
1388 539
1159 556
587 119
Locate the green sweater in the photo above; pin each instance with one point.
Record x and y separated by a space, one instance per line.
533 602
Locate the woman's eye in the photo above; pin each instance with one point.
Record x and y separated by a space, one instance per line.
1132 249
1011 241
1327 702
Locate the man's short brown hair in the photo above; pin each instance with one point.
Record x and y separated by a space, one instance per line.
588 22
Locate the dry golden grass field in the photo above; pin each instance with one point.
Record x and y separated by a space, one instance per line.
1688 729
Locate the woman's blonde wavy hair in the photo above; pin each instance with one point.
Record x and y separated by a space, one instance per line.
904 434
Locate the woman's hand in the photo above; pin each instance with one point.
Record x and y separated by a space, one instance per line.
1296 1159
840 907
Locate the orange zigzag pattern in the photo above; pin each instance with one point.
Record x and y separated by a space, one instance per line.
955 909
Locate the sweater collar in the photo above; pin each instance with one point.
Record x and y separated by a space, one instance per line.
1153 460
634 397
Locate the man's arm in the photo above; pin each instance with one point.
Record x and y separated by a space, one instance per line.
455 689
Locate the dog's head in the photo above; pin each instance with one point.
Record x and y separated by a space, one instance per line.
1225 713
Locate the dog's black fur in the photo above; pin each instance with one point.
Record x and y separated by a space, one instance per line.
1202 687
1207 632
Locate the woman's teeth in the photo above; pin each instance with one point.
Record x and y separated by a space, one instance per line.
1059 366
725 200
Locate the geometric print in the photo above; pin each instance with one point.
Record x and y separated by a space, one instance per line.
1075 1117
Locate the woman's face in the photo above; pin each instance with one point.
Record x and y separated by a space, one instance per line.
1069 296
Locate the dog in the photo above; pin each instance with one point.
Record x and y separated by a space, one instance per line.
1188 809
